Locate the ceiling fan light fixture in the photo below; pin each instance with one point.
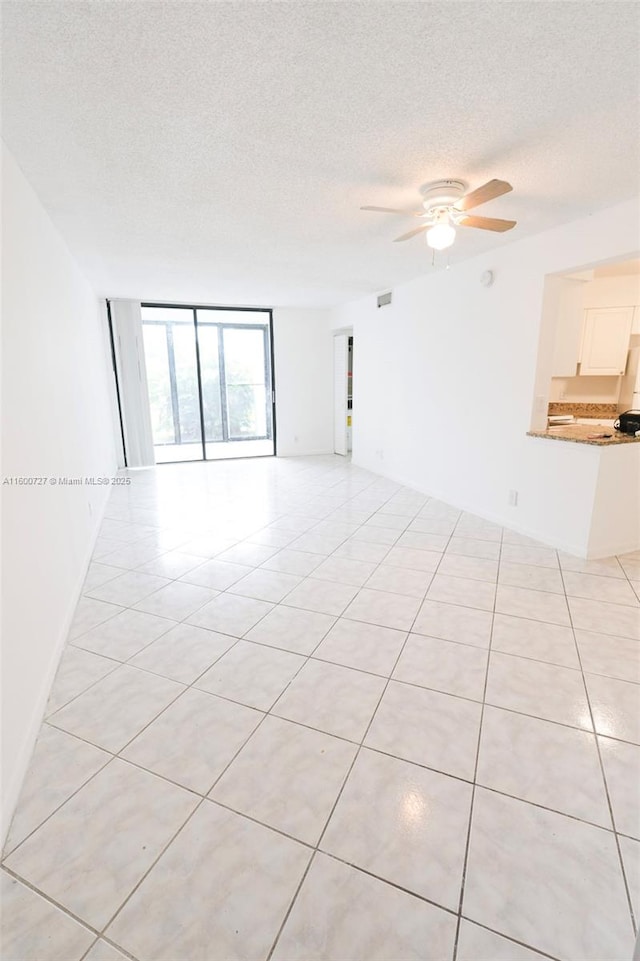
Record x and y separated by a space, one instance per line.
445 205
441 236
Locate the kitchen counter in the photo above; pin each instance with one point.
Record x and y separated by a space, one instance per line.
583 434
587 494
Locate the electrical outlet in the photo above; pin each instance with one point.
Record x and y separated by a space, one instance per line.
513 498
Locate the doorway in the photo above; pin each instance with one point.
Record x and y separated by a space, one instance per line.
210 381
342 392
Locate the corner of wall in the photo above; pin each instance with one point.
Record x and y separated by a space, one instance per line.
57 421
11 791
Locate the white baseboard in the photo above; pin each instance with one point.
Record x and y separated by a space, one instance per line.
304 453
11 791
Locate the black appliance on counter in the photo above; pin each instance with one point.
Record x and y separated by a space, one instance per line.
629 422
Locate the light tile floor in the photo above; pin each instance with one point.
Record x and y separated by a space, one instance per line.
309 715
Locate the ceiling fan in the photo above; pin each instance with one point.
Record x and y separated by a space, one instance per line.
445 204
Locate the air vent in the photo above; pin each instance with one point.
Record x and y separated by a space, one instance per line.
384 299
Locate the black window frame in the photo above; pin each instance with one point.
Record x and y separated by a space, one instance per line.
220 325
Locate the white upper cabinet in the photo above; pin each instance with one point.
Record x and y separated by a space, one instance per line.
606 341
569 327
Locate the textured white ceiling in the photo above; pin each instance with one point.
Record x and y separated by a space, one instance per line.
219 152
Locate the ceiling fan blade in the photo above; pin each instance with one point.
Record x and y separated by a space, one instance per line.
488 191
393 210
487 223
412 233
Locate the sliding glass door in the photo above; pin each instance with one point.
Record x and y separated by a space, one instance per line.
172 380
209 374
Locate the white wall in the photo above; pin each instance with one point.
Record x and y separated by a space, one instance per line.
612 292
585 390
303 353
447 376
616 512
56 422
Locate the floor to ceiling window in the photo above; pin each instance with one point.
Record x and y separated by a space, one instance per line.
209 375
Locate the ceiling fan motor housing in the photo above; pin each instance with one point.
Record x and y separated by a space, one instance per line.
441 193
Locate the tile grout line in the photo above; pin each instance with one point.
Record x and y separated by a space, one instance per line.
172 838
603 774
116 665
335 803
8 853
333 807
630 582
342 788
126 954
465 863
512 940
47 897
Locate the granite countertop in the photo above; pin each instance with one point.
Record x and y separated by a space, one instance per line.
583 434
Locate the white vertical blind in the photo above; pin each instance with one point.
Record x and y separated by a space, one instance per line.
126 319
340 351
